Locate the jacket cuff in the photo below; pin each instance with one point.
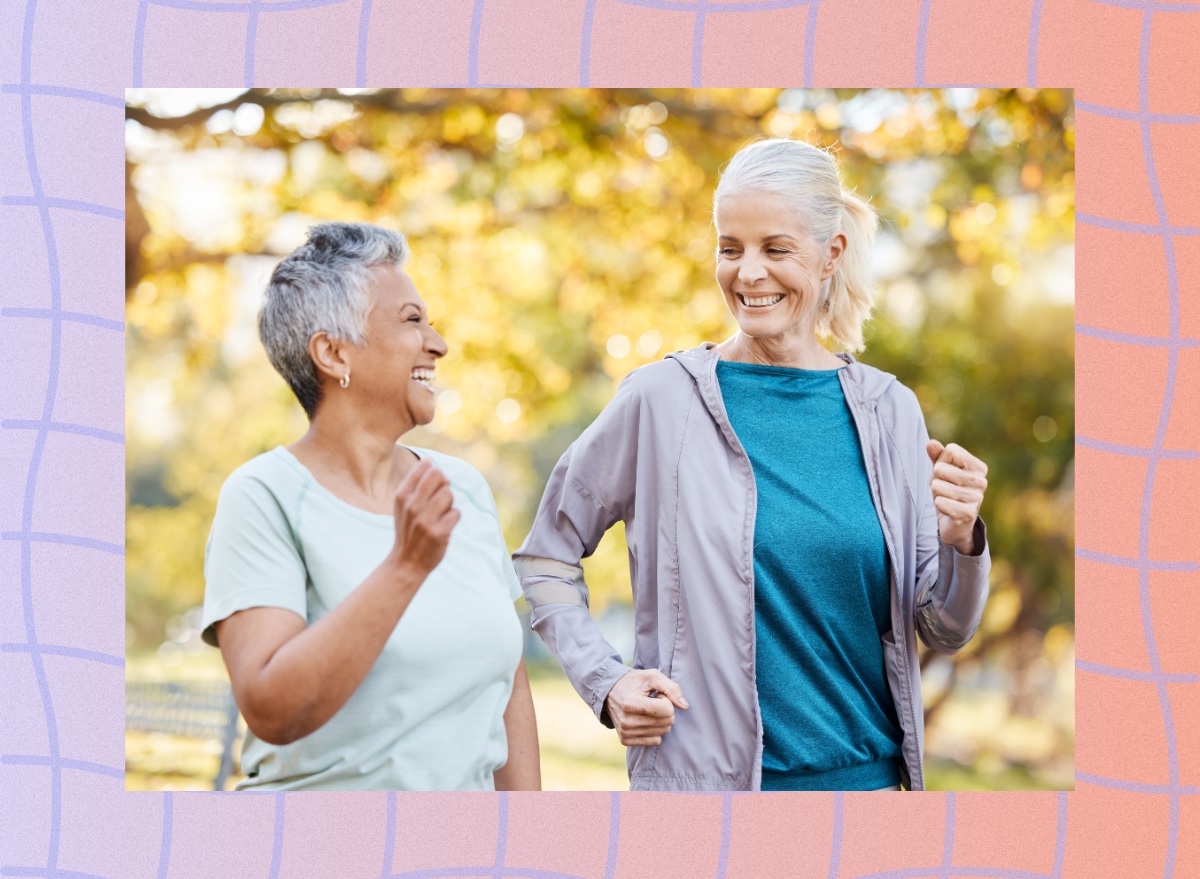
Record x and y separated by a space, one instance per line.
978 539
964 587
589 662
603 680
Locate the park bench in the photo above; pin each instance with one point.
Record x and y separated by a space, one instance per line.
195 709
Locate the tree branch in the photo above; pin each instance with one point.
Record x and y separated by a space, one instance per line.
384 99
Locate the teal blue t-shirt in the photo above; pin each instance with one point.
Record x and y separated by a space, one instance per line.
821 585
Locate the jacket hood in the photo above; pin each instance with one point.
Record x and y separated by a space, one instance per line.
868 382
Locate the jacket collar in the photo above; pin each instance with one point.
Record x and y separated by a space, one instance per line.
867 383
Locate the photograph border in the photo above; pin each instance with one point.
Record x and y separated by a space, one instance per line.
63 808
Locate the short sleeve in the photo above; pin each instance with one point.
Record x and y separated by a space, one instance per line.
481 494
510 576
511 580
251 559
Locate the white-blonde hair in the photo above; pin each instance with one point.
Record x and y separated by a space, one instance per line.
807 178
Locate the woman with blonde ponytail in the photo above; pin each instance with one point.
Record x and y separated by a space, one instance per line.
792 528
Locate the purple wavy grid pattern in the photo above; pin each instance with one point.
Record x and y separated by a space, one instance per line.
41 794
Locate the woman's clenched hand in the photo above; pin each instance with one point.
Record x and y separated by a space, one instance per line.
425 516
642 706
959 481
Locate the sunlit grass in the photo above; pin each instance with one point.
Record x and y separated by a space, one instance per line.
578 753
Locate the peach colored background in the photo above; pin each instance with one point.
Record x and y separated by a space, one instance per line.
63 67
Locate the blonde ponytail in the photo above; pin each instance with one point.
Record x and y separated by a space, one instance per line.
807 177
851 291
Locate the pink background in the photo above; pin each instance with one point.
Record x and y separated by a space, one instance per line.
63 67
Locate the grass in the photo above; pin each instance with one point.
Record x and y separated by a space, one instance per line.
578 753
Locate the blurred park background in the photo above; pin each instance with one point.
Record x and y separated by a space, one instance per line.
562 239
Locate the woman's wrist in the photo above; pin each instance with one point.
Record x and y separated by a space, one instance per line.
976 540
969 546
402 574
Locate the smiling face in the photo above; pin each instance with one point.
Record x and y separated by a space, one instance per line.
769 267
395 368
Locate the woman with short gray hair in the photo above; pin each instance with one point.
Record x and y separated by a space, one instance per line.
359 589
792 529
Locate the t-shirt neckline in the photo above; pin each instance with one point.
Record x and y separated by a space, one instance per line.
374 518
783 371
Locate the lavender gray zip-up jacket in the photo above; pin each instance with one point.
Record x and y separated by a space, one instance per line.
663 458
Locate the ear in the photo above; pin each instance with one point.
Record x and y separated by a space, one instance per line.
834 251
331 358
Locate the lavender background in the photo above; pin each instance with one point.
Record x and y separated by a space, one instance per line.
63 67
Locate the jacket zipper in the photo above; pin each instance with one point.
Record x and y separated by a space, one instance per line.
722 420
901 648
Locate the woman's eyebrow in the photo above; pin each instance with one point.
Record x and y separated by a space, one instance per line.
770 237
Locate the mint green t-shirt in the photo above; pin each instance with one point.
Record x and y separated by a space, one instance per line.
430 713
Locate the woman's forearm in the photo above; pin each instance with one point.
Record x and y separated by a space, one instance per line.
523 771
291 683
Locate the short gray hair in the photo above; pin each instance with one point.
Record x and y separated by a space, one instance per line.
321 286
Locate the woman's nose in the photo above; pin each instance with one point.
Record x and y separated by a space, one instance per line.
751 270
435 344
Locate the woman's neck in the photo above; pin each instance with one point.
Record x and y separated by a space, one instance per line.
359 462
805 353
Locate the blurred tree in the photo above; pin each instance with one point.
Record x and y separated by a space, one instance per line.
563 238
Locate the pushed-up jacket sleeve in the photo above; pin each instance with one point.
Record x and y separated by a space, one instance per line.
590 489
952 588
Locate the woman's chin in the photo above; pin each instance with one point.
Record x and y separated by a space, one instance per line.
760 325
414 414
774 323
422 417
